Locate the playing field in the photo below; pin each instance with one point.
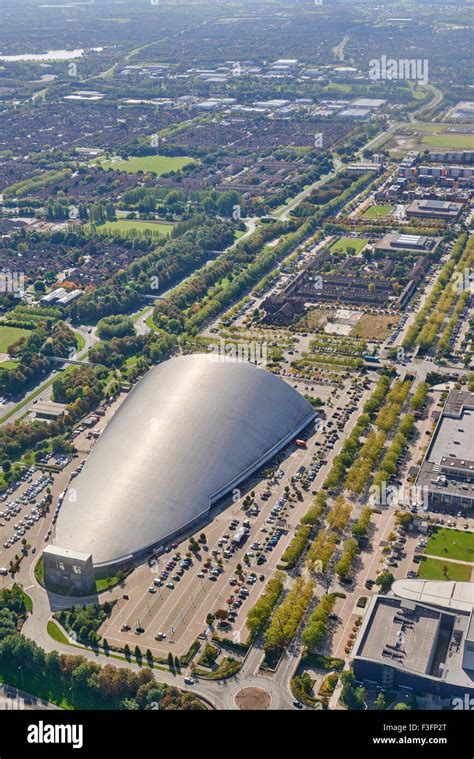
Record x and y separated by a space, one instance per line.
434 569
451 544
128 225
378 211
9 335
422 135
158 164
459 141
349 242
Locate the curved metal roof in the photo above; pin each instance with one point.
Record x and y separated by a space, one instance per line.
188 432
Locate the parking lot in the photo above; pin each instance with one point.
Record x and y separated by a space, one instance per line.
26 515
23 514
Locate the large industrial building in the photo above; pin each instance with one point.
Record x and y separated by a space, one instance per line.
435 209
413 243
447 473
190 431
421 638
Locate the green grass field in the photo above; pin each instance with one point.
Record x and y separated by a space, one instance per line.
336 87
56 633
349 242
451 544
9 335
378 211
127 225
459 141
159 164
433 569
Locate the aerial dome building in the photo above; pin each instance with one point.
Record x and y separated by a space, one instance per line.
192 429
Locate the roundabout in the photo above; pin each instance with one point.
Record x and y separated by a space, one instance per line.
252 698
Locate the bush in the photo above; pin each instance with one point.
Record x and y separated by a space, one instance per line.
114 326
209 655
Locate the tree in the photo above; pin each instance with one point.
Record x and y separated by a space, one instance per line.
353 697
221 614
129 704
170 661
380 702
210 619
385 580
401 707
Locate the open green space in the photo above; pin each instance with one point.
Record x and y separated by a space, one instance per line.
105 583
80 340
48 688
451 544
426 126
378 211
338 87
128 225
349 242
460 141
150 323
434 569
56 633
158 164
9 335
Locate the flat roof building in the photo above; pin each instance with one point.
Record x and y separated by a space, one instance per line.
68 570
435 209
425 647
364 167
48 410
414 243
369 102
447 473
356 113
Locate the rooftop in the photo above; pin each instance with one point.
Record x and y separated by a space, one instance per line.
454 596
397 637
419 638
189 431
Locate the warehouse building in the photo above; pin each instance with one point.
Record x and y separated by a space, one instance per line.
189 432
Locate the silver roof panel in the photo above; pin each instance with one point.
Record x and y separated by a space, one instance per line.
191 429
